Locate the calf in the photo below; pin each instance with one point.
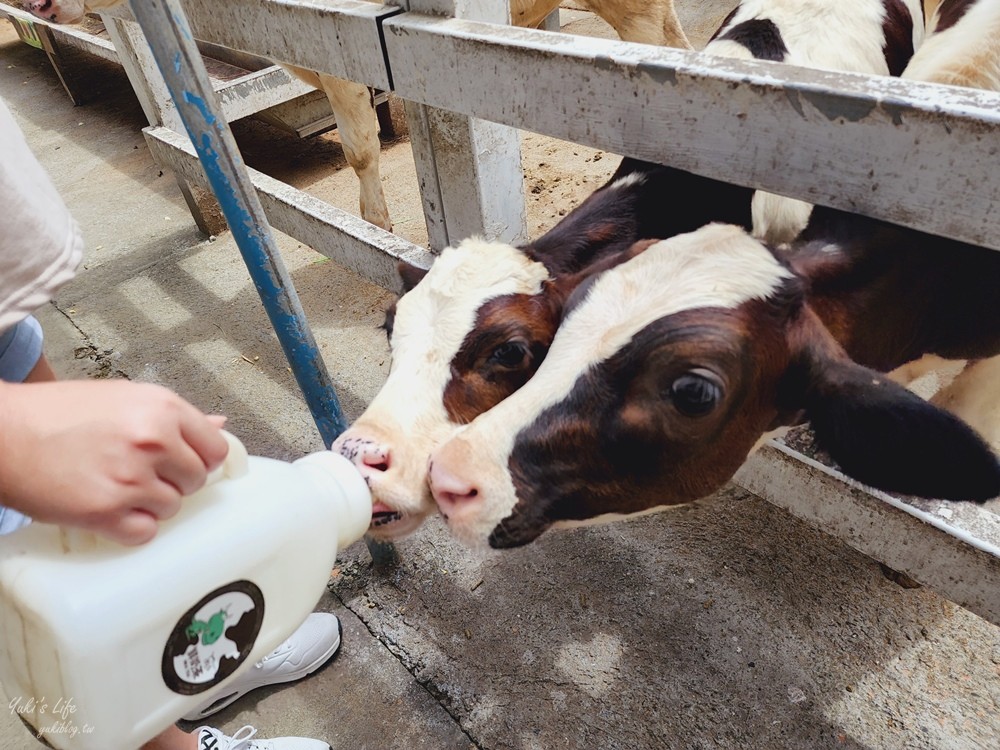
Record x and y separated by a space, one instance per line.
671 368
652 22
476 329
674 365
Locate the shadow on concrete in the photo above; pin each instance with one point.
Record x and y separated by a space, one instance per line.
724 624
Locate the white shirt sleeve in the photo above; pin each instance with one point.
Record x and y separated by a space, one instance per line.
40 243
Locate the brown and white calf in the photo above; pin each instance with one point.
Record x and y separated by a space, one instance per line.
670 368
478 326
648 21
669 371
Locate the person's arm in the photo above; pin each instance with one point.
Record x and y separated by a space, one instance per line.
111 456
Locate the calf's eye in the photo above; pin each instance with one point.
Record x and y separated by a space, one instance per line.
509 354
695 393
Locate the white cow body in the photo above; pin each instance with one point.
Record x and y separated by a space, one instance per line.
846 36
966 53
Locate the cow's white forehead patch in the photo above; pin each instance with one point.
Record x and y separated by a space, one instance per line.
476 266
433 319
440 311
716 266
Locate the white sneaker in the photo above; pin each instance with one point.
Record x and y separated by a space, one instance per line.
213 739
305 651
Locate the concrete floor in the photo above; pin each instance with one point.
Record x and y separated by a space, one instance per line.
726 624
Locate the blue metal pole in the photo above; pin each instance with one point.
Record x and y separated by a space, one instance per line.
166 28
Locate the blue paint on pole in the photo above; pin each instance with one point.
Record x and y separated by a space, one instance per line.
291 331
202 107
181 24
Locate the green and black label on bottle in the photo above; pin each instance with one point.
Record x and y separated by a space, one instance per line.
213 638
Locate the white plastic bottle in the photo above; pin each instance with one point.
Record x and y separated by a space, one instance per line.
103 646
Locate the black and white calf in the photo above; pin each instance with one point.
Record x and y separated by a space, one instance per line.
670 368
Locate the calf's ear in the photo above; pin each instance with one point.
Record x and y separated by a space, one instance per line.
887 437
410 274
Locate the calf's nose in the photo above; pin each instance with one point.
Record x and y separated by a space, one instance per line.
372 457
452 492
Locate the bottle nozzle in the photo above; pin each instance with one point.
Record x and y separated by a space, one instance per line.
357 507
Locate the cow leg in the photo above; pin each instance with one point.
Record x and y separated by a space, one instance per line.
974 397
531 13
643 21
358 128
777 219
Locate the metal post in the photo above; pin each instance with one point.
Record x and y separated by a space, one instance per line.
469 170
551 22
169 36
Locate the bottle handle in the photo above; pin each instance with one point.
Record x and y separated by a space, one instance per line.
235 465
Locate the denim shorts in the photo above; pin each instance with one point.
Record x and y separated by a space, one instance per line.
11 520
20 350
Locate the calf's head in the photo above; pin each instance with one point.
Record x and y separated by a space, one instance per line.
441 375
664 375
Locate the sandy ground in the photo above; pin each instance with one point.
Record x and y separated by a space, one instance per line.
726 624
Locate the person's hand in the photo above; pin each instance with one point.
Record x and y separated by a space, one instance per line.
111 456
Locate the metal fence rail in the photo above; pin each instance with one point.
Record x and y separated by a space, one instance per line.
868 144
